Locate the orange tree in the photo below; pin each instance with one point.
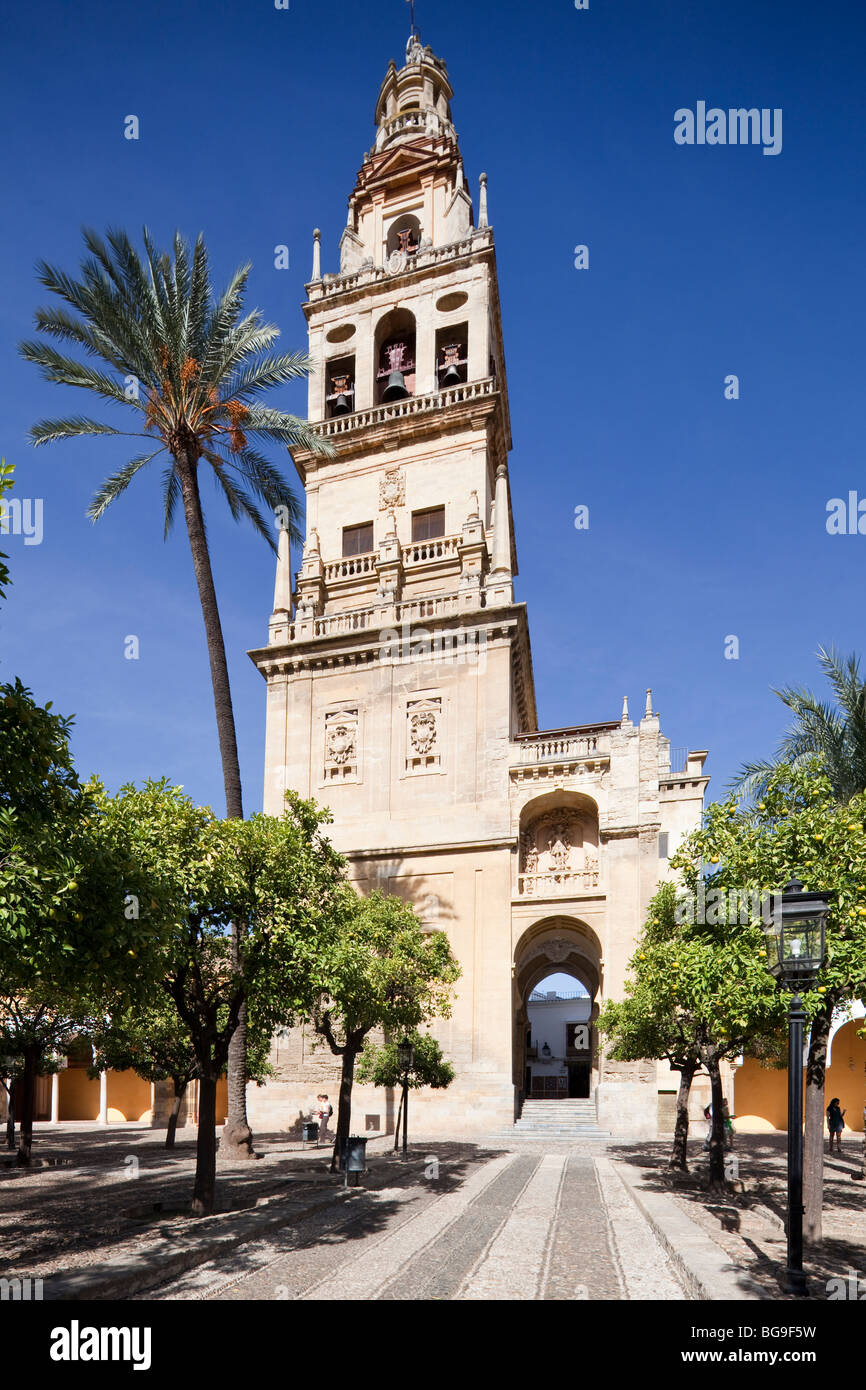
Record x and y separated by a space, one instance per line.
799 827
697 993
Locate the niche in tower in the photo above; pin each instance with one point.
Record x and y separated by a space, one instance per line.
452 355
395 355
404 235
340 396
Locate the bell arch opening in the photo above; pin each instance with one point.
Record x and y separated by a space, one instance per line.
395 356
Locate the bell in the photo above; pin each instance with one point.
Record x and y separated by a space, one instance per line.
396 388
342 406
451 375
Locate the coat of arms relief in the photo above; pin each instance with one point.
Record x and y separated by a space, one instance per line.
341 745
423 735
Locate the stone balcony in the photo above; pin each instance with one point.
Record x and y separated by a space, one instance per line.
410 408
419 609
427 257
558 883
578 752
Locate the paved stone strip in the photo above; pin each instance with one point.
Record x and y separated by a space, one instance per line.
513 1265
581 1263
365 1275
645 1269
440 1273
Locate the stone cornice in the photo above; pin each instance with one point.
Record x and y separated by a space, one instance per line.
364 647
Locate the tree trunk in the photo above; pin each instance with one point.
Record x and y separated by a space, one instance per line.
236 1135
717 1135
219 671
813 1138
205 1150
679 1152
344 1113
171 1130
399 1113
11 1096
26 1089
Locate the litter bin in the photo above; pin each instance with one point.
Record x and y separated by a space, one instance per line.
355 1156
311 1131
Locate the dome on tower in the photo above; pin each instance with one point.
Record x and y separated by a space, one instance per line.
414 100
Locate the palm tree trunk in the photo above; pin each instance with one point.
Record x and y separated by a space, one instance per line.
219 671
236 1135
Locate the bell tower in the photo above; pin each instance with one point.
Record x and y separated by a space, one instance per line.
398 665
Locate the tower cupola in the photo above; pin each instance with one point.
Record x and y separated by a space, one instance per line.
414 100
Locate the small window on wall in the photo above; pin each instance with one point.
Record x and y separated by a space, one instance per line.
427 525
357 540
663 845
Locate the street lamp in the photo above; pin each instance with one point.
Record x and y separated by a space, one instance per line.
406 1060
795 925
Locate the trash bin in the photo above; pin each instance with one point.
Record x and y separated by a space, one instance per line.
355 1156
311 1131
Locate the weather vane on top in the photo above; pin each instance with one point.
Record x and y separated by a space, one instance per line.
411 4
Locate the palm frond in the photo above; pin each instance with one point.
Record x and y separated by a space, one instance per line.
239 501
171 497
267 373
68 372
47 431
267 423
111 489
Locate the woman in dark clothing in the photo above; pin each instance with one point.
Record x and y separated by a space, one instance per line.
835 1123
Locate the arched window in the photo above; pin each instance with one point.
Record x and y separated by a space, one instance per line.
404 235
395 356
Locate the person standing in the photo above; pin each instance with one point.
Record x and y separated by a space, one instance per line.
323 1115
835 1123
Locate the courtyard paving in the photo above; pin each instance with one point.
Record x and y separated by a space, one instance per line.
106 1217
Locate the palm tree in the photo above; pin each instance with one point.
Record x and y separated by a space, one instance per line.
193 366
834 733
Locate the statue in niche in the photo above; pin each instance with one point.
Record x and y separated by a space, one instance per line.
560 849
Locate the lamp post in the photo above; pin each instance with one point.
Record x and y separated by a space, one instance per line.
406 1059
795 928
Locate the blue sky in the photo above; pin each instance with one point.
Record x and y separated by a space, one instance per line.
707 516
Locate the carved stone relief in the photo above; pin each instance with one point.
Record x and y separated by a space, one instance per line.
341 745
559 854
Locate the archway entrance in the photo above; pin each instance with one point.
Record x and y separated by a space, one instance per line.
556 981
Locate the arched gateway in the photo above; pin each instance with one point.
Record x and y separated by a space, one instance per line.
564 1062
400 689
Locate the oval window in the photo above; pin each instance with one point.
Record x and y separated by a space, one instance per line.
341 334
449 302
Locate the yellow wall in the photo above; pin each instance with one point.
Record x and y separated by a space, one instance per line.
128 1096
761 1093
79 1096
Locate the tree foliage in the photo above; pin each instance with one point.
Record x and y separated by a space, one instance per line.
383 970
834 734
278 879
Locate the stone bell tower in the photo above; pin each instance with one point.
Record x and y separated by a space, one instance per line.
399 678
398 669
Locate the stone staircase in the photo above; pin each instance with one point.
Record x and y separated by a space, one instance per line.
560 1120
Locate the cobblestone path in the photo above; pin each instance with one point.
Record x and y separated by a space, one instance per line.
524 1226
